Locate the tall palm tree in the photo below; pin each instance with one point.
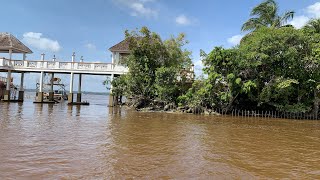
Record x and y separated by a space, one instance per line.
313 25
266 14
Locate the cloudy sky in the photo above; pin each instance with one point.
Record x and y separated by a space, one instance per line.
89 28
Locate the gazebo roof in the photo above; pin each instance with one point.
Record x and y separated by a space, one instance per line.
122 46
8 41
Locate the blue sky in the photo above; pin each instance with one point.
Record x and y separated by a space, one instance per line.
89 28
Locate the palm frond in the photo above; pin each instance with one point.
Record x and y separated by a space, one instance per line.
287 16
266 14
252 24
261 8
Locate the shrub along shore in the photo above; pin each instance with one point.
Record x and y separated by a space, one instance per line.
275 68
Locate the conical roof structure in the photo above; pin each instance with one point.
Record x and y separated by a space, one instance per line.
122 46
8 41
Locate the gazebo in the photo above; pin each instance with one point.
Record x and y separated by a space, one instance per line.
10 44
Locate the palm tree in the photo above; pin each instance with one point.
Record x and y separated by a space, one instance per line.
313 25
266 15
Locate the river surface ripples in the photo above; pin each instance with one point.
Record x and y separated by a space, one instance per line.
96 142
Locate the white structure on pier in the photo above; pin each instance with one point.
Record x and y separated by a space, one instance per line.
9 44
61 67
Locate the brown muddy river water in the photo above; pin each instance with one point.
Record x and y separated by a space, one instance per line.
97 142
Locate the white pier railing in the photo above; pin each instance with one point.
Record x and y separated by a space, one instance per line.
61 67
3 79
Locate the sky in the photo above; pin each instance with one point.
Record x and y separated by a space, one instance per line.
89 28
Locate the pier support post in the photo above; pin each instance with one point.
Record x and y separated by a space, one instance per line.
51 93
7 92
21 90
39 97
111 96
70 96
6 96
79 89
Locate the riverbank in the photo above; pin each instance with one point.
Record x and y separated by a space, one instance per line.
161 107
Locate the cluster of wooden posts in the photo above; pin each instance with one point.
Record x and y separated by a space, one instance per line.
269 114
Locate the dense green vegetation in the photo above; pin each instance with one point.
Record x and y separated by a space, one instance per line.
154 69
275 67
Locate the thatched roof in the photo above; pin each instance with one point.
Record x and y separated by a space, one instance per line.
8 41
122 46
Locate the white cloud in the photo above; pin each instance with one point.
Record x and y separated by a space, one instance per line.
138 7
36 40
90 46
183 20
235 40
314 10
299 21
199 63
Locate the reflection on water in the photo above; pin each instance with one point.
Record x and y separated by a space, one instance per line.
41 141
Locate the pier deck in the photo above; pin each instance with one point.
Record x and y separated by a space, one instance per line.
61 67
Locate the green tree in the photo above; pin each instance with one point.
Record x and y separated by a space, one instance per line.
166 84
273 69
154 66
313 26
282 58
266 14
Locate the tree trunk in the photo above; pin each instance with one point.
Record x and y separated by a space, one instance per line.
316 104
231 102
